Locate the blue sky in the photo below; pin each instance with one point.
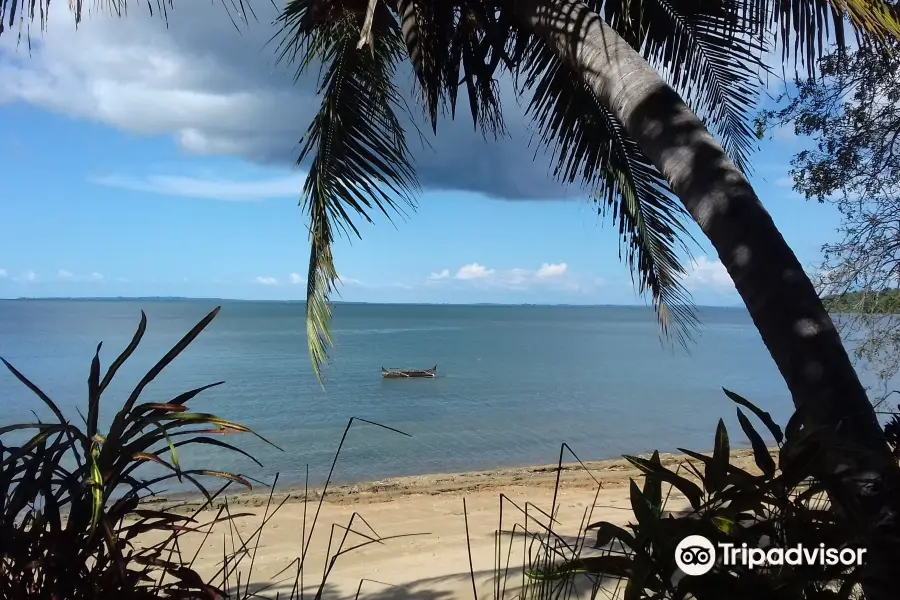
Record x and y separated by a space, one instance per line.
138 161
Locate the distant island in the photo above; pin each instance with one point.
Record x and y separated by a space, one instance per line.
884 302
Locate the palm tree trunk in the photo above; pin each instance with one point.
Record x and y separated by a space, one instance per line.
782 301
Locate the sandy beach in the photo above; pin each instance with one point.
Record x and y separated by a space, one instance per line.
427 554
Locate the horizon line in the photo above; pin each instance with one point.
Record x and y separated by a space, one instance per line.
196 298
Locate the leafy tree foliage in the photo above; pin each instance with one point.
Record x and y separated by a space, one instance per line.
780 504
852 113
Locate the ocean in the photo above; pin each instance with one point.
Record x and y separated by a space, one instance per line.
514 382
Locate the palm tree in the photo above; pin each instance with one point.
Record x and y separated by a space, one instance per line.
614 124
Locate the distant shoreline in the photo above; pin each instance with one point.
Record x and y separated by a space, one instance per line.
335 303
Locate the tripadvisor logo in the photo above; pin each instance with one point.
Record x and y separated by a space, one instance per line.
696 555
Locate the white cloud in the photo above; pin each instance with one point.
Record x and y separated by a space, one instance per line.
217 189
264 280
551 270
296 278
68 276
215 91
473 271
349 280
2 273
547 276
27 277
708 274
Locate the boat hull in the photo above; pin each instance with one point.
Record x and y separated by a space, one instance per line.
408 373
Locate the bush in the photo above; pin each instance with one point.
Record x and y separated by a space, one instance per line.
70 532
781 506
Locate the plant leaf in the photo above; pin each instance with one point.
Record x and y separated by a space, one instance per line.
643 511
177 349
126 353
607 532
717 467
690 489
356 143
762 415
94 394
761 454
37 391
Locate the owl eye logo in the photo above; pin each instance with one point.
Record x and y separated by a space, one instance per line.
695 555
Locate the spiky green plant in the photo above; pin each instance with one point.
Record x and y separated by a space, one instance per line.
780 505
70 495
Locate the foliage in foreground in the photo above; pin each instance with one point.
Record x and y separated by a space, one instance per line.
70 495
74 524
780 506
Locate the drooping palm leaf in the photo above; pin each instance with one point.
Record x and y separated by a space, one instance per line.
360 160
428 30
20 14
590 145
802 27
451 44
710 53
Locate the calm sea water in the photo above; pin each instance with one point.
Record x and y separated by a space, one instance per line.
514 382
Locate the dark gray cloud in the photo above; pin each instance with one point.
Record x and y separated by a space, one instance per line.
217 91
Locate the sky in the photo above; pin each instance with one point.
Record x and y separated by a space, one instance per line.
145 160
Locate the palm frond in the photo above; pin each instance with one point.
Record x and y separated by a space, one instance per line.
22 13
428 31
452 43
589 144
710 53
803 27
360 160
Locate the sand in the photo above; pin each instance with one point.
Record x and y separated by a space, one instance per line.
430 558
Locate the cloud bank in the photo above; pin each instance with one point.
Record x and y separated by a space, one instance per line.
217 92
547 276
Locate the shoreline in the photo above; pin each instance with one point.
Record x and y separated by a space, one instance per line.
607 473
437 536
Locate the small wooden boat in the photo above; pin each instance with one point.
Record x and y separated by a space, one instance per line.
404 373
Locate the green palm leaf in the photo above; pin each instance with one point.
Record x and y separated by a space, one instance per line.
21 13
360 160
710 54
801 27
452 44
590 145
